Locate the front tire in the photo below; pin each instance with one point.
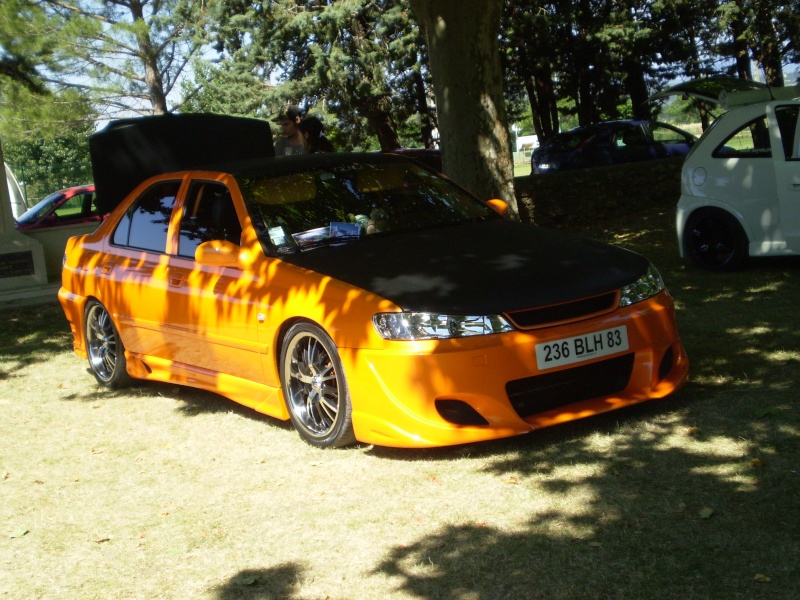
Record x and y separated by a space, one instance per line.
715 240
104 347
314 387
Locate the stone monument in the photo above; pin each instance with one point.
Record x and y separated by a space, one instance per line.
22 266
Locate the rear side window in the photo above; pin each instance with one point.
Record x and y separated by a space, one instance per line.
146 222
787 124
749 141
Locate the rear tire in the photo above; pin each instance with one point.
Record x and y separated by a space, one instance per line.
104 347
715 240
314 387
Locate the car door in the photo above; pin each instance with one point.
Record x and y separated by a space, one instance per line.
785 139
212 318
133 270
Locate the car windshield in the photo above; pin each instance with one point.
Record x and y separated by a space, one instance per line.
344 202
40 209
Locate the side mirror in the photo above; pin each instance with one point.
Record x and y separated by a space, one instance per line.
219 253
497 205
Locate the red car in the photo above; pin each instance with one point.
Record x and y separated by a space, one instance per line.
65 207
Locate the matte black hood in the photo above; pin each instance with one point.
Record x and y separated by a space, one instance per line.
478 268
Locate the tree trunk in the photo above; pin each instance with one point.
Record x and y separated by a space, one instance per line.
538 82
766 48
428 122
462 37
636 86
152 75
740 49
383 125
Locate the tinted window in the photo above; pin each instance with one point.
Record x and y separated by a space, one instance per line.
787 123
80 205
570 140
41 209
749 141
310 208
208 215
667 135
146 222
630 137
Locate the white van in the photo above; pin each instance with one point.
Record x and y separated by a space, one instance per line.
740 184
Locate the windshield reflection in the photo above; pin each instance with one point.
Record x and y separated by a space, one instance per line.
332 205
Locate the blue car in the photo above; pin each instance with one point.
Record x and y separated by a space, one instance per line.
610 143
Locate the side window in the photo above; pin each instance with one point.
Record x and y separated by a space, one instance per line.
787 123
80 205
665 135
146 222
630 137
749 141
208 214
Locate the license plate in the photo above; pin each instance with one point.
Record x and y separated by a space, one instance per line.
580 348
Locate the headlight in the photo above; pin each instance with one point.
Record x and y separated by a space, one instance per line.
648 285
427 326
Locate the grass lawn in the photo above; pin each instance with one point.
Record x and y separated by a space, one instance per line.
167 492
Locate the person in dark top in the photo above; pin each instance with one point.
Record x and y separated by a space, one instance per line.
313 138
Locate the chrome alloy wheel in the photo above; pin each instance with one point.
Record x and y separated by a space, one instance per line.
104 347
314 387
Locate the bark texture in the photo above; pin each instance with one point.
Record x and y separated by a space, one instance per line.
462 37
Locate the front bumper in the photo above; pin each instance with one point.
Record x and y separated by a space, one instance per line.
398 391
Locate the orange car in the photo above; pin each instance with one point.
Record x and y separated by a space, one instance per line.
366 298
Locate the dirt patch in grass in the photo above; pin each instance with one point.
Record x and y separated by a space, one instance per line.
167 492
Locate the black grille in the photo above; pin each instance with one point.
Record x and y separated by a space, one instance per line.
539 394
569 311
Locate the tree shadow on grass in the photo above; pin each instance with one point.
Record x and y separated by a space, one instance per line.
191 402
657 510
272 583
692 496
31 334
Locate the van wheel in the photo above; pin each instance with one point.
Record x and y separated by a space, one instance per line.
715 240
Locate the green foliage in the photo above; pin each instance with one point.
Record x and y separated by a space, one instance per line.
28 41
229 88
131 55
361 65
45 165
45 138
356 61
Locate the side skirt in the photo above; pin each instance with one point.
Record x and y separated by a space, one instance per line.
259 397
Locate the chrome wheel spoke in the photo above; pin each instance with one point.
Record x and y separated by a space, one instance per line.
313 385
329 407
101 342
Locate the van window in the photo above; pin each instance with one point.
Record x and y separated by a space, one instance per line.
749 141
787 124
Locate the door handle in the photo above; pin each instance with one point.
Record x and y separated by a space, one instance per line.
176 277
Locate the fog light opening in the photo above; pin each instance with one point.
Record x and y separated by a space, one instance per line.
459 412
667 362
